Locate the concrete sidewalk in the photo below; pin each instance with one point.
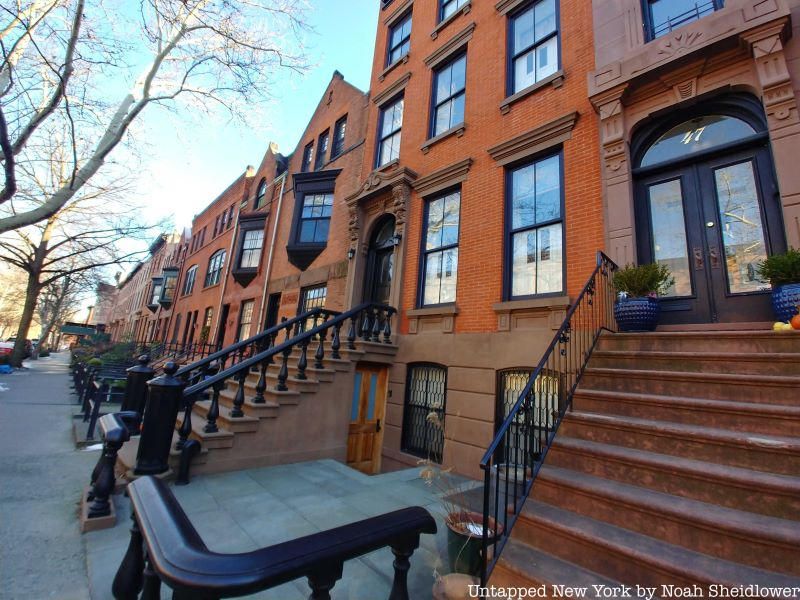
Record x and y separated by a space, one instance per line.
42 553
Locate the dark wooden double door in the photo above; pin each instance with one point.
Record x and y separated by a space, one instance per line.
712 223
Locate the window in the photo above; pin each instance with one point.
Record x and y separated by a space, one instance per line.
322 150
308 157
170 283
215 264
311 297
338 137
422 435
158 287
535 236
245 319
208 317
399 40
261 192
449 93
534 44
449 7
315 219
251 248
188 282
440 253
223 218
391 122
230 217
216 226
662 16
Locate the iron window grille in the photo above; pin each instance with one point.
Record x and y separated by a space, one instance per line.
389 132
339 130
245 319
215 264
261 193
251 248
534 44
449 95
322 150
440 250
534 222
399 40
447 8
663 16
424 411
315 219
308 157
311 297
188 282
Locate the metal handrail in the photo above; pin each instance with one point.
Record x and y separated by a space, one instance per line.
566 366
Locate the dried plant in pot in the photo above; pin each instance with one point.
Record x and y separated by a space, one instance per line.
783 273
638 287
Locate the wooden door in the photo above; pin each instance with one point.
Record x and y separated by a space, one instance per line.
365 439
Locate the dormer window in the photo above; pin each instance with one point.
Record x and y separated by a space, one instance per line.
261 193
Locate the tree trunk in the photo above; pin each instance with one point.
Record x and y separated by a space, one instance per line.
32 291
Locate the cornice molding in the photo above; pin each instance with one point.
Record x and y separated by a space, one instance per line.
506 6
535 140
443 178
401 8
392 90
450 47
382 180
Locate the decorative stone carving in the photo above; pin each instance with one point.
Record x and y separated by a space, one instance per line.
401 194
612 128
679 42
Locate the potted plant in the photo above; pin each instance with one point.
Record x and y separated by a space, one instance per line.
638 288
783 273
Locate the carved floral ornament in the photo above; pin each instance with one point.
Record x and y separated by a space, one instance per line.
396 182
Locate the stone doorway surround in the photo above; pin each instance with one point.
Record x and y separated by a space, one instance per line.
741 47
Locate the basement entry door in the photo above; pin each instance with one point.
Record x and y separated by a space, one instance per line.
365 438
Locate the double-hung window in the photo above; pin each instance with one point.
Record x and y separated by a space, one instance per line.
245 319
308 157
322 149
188 282
665 15
534 44
399 40
338 137
449 94
535 230
391 124
215 264
440 251
315 219
447 8
252 241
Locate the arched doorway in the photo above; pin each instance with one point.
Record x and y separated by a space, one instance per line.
380 262
707 206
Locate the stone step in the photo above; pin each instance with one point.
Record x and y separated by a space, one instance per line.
774 419
523 566
324 375
225 420
271 397
750 451
777 496
760 363
770 389
760 341
630 557
748 538
219 439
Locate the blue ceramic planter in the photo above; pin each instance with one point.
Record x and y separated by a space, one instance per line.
785 299
637 314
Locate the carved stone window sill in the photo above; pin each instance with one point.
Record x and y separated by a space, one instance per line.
556 80
525 314
391 67
442 25
457 131
433 319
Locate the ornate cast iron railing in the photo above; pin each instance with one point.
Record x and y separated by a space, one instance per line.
518 450
165 548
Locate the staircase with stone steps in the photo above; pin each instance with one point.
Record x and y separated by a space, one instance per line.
309 421
679 463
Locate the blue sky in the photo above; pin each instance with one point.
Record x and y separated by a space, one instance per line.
187 162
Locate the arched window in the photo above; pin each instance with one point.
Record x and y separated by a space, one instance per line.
423 415
215 264
261 193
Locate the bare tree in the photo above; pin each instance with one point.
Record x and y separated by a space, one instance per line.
12 297
59 302
62 61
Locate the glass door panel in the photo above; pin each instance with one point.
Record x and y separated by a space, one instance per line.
741 227
669 234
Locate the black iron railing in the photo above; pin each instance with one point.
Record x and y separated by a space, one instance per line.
517 452
165 548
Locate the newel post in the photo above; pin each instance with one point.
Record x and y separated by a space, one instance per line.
164 400
136 385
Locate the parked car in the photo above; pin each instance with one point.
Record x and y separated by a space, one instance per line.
28 346
6 348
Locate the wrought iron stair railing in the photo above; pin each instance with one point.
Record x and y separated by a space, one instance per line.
517 452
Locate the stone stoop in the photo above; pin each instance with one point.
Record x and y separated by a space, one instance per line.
679 464
307 422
